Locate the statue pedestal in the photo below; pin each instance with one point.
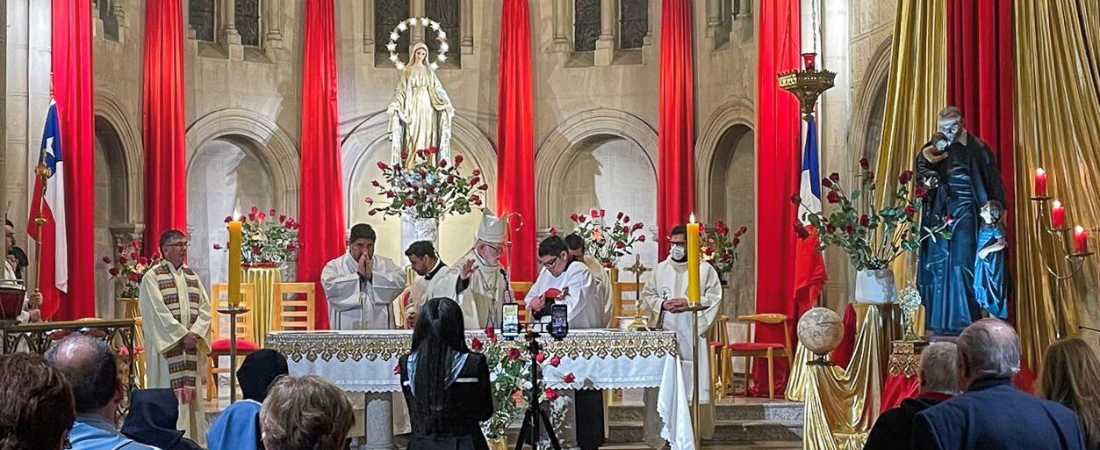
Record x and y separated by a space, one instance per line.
418 229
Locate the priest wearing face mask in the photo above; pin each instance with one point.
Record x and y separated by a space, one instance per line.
665 296
477 282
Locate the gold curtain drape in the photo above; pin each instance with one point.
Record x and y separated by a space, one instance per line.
1057 128
842 404
917 91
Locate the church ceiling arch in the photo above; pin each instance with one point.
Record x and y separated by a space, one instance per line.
118 124
258 133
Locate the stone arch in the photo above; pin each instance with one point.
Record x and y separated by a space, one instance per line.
373 131
726 117
553 156
113 116
271 144
870 100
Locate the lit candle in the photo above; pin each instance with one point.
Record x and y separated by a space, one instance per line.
1040 182
693 261
235 243
1080 240
1057 215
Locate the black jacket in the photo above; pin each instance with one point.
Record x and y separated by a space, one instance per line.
469 401
894 428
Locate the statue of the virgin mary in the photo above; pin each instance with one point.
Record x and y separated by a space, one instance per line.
421 112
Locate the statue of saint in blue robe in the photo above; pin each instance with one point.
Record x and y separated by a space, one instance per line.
990 272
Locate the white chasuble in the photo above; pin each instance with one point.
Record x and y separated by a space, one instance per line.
173 303
359 304
669 281
585 306
479 297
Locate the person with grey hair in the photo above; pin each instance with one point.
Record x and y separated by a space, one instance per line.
894 428
993 413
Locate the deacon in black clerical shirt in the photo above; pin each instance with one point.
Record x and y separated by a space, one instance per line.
426 263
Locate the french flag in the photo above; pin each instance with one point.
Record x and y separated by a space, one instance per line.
49 198
809 264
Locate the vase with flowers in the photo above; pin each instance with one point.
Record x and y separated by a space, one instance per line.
873 237
609 240
127 266
719 248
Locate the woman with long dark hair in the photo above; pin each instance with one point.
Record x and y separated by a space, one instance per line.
1071 376
445 385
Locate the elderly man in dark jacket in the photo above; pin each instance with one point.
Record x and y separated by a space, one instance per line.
938 382
993 414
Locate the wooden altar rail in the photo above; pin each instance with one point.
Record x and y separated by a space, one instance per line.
40 337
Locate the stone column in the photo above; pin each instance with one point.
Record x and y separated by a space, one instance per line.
368 26
416 33
714 16
273 21
378 413
466 26
562 26
744 9
605 44
229 38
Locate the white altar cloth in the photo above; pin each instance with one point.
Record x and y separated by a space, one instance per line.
364 361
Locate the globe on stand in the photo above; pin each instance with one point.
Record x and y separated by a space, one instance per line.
820 331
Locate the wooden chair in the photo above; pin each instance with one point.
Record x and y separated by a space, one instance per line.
749 349
721 369
220 331
132 311
296 313
520 288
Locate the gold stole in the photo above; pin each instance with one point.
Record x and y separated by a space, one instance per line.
183 365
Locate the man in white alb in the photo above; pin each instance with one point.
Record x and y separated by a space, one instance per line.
576 246
361 285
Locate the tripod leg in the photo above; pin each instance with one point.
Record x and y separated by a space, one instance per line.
524 429
550 430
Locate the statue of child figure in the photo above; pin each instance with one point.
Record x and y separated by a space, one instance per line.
990 271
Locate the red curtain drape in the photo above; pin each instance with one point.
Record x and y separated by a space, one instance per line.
980 81
74 91
675 122
515 135
322 198
778 166
163 122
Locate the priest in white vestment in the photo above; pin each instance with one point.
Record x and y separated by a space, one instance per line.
426 264
477 282
604 289
175 312
30 312
360 285
665 296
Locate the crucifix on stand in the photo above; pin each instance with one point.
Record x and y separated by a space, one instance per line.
639 322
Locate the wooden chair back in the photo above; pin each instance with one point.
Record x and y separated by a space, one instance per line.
769 319
219 323
294 307
520 289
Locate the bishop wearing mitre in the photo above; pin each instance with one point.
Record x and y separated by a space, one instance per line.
665 296
477 282
360 285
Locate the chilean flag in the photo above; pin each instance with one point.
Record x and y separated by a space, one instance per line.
809 264
53 277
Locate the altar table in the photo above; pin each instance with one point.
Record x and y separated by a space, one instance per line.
364 361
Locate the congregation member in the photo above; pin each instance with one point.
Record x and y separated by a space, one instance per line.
91 368
37 401
33 300
152 420
993 413
176 312
361 285
938 382
477 281
426 264
1071 376
238 427
305 413
665 296
445 384
577 249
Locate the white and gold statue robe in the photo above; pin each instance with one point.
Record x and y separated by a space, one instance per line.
173 303
356 304
585 307
479 297
603 289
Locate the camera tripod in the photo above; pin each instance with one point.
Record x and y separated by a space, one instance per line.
535 414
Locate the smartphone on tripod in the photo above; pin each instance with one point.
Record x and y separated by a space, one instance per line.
559 321
509 326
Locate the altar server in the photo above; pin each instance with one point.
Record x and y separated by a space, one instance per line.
360 285
176 311
570 276
33 300
665 296
477 282
426 263
576 246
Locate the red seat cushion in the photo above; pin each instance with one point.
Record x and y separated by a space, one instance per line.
222 345
754 346
123 351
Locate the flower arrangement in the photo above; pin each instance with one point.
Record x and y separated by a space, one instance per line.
609 241
128 266
873 239
509 375
720 249
268 239
427 189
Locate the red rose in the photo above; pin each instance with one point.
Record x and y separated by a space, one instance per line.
282 217
255 210
620 244
271 213
864 220
796 199
122 260
864 163
626 218
833 197
514 353
829 228
905 176
106 260
261 216
850 229
910 210
136 244
404 155
382 165
736 241
397 369
410 202
555 361
372 212
568 378
458 160
626 229
637 226
290 246
604 214
825 182
252 217
477 172
742 230
484 187
475 180
553 231
594 213
948 219
491 333
217 246
370 201
476 345
143 260
551 394
800 230
113 271
256 250
442 163
574 217
389 194
228 219
375 183
121 249
708 251
920 191
583 218
641 238
477 200
135 277
540 357
619 215
835 177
